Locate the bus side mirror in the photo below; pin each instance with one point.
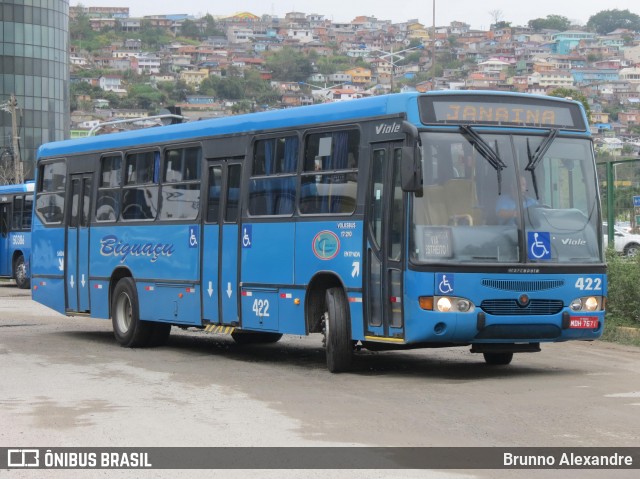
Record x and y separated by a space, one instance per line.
410 170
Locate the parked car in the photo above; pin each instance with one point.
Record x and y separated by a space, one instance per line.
625 243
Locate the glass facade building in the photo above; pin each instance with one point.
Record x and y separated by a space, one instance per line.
34 66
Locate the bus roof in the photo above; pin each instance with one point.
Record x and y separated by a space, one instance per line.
19 188
256 122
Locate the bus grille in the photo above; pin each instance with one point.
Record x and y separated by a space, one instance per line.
510 307
522 286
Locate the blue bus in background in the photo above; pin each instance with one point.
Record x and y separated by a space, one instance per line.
16 208
393 222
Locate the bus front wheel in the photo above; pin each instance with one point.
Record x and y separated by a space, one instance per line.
128 329
20 273
337 331
498 359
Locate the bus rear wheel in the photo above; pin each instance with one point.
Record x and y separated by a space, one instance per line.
20 273
337 331
498 359
128 329
255 337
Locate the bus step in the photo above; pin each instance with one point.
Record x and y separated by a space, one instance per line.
219 329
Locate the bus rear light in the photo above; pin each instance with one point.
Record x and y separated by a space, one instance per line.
426 302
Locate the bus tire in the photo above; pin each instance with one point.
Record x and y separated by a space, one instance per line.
498 359
337 331
255 337
128 329
159 334
20 273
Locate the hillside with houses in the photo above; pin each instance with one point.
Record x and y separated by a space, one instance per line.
217 66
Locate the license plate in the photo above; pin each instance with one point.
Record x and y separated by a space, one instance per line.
583 322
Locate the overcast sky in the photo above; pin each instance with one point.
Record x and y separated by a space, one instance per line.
478 13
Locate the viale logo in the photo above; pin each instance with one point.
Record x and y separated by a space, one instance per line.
385 129
574 242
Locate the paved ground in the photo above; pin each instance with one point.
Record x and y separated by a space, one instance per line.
65 382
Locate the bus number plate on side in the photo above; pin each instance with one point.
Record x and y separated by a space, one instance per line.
583 322
261 307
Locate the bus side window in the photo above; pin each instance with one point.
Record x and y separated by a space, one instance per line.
51 191
17 213
26 213
4 219
272 189
140 192
329 179
108 200
181 184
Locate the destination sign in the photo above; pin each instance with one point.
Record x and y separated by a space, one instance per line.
492 110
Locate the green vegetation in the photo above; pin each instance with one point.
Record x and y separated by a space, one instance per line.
623 304
551 22
576 95
607 21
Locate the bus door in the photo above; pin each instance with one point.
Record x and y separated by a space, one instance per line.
385 241
220 247
5 257
77 254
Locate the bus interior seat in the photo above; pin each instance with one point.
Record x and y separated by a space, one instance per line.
461 202
435 211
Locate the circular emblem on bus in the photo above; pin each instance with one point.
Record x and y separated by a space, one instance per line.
326 245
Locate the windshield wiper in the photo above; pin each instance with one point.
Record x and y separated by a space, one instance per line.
536 157
491 155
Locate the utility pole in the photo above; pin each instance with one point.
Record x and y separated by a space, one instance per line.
11 107
433 45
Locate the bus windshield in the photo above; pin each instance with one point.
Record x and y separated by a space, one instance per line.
505 198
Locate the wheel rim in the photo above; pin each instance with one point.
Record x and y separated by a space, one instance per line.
325 331
21 273
123 312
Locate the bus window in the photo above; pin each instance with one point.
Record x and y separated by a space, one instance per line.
329 180
215 187
17 212
140 193
51 190
233 193
272 189
4 219
26 213
108 201
181 184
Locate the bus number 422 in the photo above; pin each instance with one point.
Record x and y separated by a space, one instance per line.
261 308
589 284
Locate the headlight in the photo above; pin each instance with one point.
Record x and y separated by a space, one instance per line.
587 303
450 304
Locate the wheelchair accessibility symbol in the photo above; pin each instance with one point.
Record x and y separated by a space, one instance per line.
246 236
539 245
445 283
193 236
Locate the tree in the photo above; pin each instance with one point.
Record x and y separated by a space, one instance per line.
574 95
551 22
496 16
80 28
145 96
607 21
289 65
190 29
211 29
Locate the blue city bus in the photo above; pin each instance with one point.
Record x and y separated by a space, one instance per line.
393 222
16 208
